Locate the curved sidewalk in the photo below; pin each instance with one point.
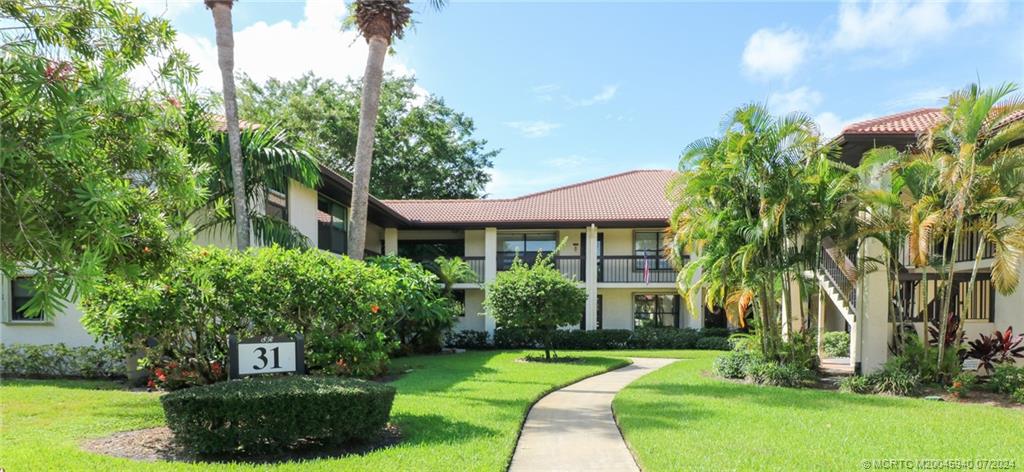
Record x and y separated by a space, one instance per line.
573 428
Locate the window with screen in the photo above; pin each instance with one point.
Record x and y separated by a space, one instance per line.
654 310
649 249
276 204
21 292
332 226
526 245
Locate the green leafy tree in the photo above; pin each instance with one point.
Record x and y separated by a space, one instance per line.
93 174
453 270
423 148
424 311
537 298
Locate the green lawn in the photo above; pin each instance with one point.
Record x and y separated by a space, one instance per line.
678 418
458 412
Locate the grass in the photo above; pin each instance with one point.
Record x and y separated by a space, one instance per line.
679 418
458 412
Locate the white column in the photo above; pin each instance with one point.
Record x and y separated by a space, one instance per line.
872 314
391 241
821 321
490 268
591 278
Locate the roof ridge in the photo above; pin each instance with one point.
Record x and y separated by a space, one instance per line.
588 182
895 116
442 200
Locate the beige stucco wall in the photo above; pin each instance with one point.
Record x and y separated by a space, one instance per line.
617 307
64 328
302 202
473 308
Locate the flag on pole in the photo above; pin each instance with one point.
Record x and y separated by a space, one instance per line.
647 270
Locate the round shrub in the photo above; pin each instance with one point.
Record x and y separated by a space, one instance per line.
781 375
714 343
837 344
271 414
733 365
894 380
1018 396
1006 378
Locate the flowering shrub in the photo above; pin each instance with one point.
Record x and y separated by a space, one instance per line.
180 321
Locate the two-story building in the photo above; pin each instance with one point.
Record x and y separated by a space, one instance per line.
613 230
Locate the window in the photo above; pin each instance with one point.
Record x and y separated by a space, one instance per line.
332 226
21 292
525 245
276 204
651 309
648 248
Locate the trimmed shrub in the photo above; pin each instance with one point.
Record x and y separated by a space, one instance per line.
1006 379
602 339
856 384
714 343
467 339
663 338
344 308
733 364
837 344
272 414
962 384
59 360
515 338
714 332
1018 395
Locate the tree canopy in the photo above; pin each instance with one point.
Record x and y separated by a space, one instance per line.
93 174
423 148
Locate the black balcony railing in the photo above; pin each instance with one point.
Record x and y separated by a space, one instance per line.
634 269
477 264
569 266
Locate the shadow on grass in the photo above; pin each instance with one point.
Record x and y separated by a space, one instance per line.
77 384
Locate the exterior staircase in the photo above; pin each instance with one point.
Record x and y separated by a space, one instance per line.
846 308
837 275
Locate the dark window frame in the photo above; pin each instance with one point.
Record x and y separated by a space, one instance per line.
17 303
268 204
505 258
655 257
330 231
659 311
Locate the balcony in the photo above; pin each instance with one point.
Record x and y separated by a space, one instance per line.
635 269
477 264
569 266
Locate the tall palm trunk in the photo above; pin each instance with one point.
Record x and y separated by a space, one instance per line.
948 294
221 10
372 79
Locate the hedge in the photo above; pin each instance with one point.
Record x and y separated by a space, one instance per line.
272 414
641 338
59 360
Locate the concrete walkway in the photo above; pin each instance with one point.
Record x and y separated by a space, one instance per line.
573 428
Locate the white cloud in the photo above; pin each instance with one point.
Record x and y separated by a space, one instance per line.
286 50
904 25
533 129
607 93
774 53
545 92
802 99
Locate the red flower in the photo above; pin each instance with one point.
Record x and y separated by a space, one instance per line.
146 250
374 308
172 365
160 375
215 368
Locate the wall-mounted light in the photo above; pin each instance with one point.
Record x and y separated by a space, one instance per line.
576 247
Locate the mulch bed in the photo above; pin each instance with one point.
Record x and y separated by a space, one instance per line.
155 444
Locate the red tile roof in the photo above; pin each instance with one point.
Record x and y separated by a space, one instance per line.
909 122
632 196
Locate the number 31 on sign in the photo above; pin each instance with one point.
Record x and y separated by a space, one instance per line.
265 355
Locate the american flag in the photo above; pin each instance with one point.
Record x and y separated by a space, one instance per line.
647 270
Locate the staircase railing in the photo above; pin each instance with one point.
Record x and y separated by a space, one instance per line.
840 270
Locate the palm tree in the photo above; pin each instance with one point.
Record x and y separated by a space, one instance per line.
977 152
271 161
379 21
741 208
221 10
453 270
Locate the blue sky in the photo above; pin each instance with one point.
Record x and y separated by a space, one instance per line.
578 90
